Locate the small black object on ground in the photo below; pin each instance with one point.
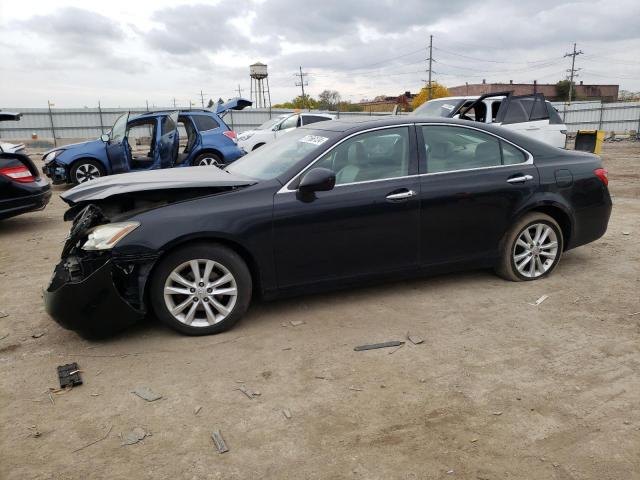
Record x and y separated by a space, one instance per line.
373 346
69 375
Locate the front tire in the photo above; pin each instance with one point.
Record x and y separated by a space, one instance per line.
201 289
208 160
85 170
531 249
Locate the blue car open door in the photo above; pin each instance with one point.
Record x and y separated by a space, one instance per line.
117 149
168 143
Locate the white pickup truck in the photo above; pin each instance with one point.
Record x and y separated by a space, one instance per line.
530 115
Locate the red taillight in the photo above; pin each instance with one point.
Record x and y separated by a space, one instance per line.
601 173
231 134
19 174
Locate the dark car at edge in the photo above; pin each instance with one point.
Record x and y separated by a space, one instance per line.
22 189
330 205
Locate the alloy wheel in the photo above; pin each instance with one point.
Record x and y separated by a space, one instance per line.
535 250
209 162
86 172
200 292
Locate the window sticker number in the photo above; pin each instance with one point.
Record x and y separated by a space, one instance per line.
313 139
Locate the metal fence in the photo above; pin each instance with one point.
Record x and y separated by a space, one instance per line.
82 123
75 123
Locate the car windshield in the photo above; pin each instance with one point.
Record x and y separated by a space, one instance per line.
438 108
268 125
275 158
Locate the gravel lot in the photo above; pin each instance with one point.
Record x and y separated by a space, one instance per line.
499 389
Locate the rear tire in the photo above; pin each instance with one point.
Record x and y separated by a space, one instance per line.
84 170
531 249
208 160
191 305
257 146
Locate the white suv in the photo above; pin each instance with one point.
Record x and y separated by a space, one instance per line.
530 115
277 126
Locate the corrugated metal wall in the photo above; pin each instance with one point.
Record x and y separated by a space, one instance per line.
73 123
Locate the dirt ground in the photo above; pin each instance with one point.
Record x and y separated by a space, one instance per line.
499 389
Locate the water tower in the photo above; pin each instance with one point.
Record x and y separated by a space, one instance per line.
260 94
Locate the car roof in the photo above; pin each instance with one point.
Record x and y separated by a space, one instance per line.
356 124
159 113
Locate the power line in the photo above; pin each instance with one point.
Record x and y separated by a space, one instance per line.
450 52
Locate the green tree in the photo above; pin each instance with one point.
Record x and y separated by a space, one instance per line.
210 104
562 90
328 100
299 102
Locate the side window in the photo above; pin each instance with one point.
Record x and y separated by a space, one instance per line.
458 148
204 122
554 117
141 139
309 119
478 113
370 156
291 122
168 125
511 155
495 106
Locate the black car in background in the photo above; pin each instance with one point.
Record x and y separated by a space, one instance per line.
22 189
333 204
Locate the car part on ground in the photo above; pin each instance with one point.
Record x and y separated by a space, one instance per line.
332 205
21 187
153 140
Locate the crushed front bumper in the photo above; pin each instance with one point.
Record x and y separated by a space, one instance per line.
85 299
57 173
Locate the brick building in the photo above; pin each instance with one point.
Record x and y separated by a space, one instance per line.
606 93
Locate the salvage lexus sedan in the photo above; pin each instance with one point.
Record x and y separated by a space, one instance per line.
333 204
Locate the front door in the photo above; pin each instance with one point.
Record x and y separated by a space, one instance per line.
367 224
473 185
117 149
168 143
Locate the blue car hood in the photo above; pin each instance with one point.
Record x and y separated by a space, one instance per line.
167 179
89 146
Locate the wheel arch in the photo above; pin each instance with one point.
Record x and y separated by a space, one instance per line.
559 213
232 244
258 145
209 150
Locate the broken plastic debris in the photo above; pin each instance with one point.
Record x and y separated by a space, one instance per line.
37 335
286 413
3 314
134 436
540 300
147 394
296 323
219 441
197 410
69 375
251 395
415 339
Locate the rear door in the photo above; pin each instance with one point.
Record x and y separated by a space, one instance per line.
169 143
526 114
117 148
472 184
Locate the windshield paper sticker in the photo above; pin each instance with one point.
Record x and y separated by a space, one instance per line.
313 139
447 106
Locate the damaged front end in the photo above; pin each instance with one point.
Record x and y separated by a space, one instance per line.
96 292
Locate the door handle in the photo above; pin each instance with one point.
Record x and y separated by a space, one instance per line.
401 195
520 179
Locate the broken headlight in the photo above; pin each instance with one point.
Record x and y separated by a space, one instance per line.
51 155
104 237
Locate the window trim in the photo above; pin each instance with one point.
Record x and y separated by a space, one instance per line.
285 188
528 161
195 124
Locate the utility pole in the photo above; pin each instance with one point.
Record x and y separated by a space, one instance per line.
174 102
53 129
239 91
202 99
301 84
572 72
430 64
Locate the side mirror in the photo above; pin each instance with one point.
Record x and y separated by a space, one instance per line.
317 180
104 137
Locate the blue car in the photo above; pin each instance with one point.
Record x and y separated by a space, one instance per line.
147 142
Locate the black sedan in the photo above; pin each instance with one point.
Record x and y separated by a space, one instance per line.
330 205
22 189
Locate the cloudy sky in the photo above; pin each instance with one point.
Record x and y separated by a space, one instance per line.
125 53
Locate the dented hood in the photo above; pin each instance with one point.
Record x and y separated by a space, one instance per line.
167 179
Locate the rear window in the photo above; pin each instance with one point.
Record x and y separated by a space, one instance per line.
439 108
204 123
308 119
